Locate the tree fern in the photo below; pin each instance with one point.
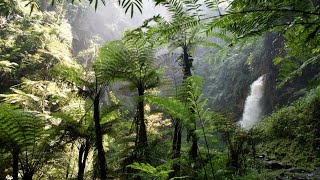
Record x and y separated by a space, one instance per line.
131 5
27 133
126 61
41 96
127 5
174 107
132 62
148 171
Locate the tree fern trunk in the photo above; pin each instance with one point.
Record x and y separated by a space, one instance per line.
99 145
83 155
177 139
194 147
176 147
142 136
80 164
187 63
28 175
15 166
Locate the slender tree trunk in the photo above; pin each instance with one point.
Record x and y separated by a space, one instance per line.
99 145
187 62
28 175
194 147
177 139
176 147
142 136
80 164
83 155
15 164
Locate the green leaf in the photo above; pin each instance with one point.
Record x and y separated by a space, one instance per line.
96 5
277 60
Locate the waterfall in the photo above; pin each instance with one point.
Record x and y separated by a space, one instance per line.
253 106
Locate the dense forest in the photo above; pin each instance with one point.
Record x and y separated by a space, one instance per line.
162 89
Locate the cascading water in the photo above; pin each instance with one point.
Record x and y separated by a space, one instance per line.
253 106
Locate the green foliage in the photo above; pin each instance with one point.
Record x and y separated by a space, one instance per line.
296 21
129 62
131 5
7 66
73 73
150 172
32 44
210 123
292 132
229 74
256 173
254 17
128 5
302 52
180 109
30 135
7 7
296 120
174 107
41 96
21 129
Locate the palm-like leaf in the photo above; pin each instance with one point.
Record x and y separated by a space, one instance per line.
130 5
127 61
28 133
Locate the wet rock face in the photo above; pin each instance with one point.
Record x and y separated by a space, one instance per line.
289 172
274 165
299 174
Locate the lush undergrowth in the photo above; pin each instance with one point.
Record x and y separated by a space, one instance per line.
289 139
292 134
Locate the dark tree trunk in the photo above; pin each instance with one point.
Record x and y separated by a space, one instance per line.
194 147
176 147
176 144
99 145
83 154
187 63
142 131
177 139
80 164
234 158
15 165
28 175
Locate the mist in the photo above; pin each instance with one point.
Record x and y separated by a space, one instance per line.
109 22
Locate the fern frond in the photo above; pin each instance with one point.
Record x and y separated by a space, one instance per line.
24 129
7 66
7 7
130 5
127 61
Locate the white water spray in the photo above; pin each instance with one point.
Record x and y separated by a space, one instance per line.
252 109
